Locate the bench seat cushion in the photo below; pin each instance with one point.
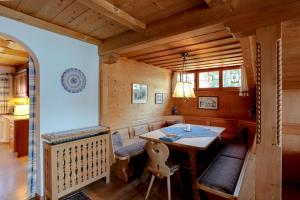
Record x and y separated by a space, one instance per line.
223 174
235 150
131 150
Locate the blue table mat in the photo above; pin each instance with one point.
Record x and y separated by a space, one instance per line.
196 131
170 139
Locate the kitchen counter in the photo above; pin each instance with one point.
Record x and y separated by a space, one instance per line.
16 117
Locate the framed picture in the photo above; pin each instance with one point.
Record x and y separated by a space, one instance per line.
139 93
211 103
159 98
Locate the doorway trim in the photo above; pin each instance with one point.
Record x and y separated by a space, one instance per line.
34 162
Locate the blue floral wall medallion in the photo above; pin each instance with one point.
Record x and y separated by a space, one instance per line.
73 80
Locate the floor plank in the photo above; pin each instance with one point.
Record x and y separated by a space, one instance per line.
13 175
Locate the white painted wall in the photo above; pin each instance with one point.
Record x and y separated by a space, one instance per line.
60 110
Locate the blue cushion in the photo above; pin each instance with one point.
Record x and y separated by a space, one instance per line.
130 150
117 140
235 150
223 174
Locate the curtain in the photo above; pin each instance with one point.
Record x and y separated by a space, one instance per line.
5 92
244 84
174 80
31 189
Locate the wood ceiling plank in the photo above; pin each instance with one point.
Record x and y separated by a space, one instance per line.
227 60
19 16
190 59
108 30
70 13
217 50
53 8
190 41
227 49
237 19
113 12
14 52
153 10
31 7
4 43
189 48
206 66
88 22
11 4
12 60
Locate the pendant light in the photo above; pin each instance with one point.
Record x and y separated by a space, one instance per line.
183 88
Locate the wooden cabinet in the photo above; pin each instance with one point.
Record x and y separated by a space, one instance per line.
18 136
21 84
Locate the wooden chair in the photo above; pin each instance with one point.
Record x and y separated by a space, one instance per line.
159 165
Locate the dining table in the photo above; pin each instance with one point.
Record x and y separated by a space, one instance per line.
189 138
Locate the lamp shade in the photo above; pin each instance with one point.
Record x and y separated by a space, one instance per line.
183 90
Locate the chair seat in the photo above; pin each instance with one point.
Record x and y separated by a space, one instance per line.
235 150
174 166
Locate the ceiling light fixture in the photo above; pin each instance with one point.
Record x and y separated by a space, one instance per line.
183 88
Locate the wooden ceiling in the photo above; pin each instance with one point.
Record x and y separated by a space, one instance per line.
92 17
210 48
11 53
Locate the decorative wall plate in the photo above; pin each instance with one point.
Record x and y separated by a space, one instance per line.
73 80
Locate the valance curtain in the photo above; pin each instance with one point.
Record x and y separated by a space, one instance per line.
244 85
5 92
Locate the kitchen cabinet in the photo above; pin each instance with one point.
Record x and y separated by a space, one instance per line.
4 129
21 84
18 134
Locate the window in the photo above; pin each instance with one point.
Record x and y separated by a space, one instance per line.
232 78
209 79
187 77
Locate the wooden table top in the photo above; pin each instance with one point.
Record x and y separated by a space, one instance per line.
200 143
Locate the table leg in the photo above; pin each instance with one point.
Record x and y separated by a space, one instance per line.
194 173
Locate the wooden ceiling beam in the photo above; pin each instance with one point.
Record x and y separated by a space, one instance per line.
198 52
255 13
113 12
189 60
190 41
220 61
19 16
206 66
188 48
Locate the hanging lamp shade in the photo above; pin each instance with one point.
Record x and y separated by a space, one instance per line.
183 89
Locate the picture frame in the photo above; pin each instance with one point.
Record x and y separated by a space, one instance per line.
159 98
139 93
208 102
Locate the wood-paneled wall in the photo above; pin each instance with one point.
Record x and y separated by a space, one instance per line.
231 105
291 136
116 83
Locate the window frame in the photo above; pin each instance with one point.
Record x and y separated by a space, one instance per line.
220 70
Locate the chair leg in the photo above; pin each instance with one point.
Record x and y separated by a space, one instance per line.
169 187
150 185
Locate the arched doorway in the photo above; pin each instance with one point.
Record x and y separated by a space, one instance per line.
34 122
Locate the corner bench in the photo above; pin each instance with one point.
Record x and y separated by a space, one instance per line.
225 174
128 146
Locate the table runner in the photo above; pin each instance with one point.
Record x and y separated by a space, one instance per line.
196 131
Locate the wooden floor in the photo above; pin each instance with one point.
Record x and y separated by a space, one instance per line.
134 190
13 175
